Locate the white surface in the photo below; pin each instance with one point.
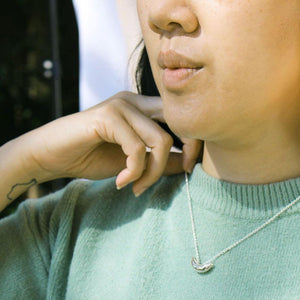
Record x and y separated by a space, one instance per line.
103 51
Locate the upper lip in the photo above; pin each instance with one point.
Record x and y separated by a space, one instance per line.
171 59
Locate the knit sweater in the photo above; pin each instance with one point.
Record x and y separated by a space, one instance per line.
91 241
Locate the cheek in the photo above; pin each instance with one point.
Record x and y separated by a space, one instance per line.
259 59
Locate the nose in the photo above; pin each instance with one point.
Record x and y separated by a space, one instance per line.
168 15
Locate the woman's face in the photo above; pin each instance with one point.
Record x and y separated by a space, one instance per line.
224 68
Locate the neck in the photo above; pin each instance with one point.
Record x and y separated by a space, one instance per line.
265 162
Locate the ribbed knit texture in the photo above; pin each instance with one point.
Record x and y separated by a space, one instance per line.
90 241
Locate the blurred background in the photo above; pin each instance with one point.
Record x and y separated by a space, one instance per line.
26 64
27 69
40 62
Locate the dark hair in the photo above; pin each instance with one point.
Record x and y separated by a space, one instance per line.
143 76
146 86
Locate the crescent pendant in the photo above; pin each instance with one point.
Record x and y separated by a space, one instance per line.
202 268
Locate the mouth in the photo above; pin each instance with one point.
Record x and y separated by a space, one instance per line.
178 78
178 69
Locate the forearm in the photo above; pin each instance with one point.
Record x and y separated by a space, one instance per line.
18 171
107 140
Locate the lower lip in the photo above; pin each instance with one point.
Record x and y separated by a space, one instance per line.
178 78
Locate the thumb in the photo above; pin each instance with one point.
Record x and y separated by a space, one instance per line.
191 152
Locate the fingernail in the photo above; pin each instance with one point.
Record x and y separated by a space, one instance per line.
190 170
119 187
139 193
190 167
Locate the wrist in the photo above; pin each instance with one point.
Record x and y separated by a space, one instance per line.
15 180
20 163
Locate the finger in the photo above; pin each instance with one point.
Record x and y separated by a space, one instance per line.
132 146
156 165
150 106
191 151
153 137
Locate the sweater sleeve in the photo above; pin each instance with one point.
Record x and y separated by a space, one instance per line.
24 250
29 240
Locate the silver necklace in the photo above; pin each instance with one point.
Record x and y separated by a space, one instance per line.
208 265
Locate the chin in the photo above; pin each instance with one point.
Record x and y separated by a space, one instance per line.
182 130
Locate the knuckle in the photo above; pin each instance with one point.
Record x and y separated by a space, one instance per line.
124 98
105 110
104 117
123 94
165 140
117 102
169 141
108 121
129 99
112 106
139 149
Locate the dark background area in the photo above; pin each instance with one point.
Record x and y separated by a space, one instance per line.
26 94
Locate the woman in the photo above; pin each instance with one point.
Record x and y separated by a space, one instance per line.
228 74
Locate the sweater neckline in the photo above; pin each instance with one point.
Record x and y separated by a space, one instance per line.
257 201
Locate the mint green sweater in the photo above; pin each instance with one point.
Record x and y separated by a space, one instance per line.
90 241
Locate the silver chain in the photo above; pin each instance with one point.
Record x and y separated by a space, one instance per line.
205 267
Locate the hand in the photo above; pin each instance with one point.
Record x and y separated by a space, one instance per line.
109 139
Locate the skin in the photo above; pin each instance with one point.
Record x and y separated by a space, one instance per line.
109 139
246 103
